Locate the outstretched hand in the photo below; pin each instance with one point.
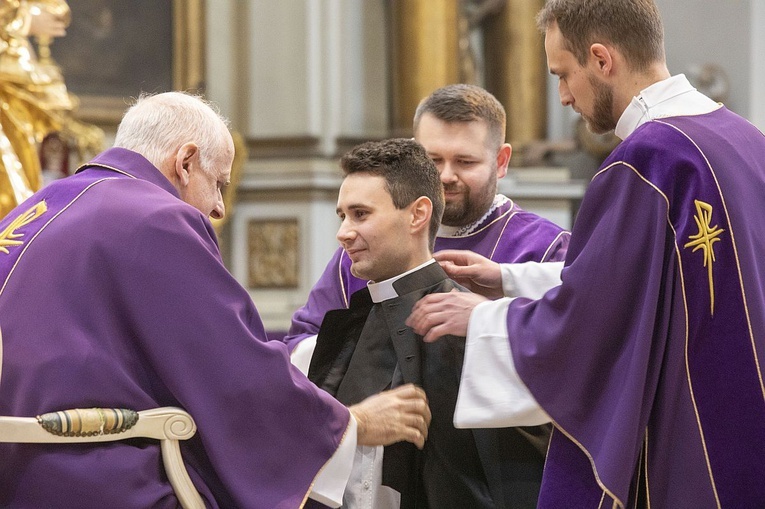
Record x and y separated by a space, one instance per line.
440 314
393 416
473 271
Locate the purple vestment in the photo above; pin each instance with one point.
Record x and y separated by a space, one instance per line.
113 293
508 234
648 357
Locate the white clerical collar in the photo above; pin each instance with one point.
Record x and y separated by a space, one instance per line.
671 97
384 289
461 231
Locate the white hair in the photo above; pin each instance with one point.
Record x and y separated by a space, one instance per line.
156 126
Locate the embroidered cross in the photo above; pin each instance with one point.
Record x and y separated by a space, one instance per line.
704 240
8 236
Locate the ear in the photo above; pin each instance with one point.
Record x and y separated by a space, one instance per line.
186 156
503 159
602 58
422 211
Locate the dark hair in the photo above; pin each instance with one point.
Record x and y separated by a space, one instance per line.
632 26
408 172
465 103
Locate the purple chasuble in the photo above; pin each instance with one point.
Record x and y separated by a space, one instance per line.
113 293
648 356
508 234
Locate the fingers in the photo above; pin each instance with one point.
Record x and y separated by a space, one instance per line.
421 318
441 314
417 416
393 416
435 333
457 272
457 256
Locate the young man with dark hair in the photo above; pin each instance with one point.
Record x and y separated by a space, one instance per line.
390 203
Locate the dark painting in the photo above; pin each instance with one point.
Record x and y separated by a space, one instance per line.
117 48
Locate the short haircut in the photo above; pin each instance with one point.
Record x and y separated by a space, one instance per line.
465 103
408 172
632 26
156 126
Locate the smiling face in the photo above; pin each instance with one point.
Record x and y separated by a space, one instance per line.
579 86
374 233
467 163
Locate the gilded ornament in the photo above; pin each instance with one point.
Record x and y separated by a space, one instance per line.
9 236
705 240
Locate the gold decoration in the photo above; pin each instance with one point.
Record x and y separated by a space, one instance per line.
516 71
425 54
704 240
273 253
35 102
8 236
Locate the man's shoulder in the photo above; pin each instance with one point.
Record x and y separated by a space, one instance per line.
140 199
668 138
129 208
531 218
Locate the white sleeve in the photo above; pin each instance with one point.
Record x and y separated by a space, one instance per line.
302 353
330 483
530 279
491 393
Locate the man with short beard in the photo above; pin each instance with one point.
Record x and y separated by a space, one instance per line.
462 127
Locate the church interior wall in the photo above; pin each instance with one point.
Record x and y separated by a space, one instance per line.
304 80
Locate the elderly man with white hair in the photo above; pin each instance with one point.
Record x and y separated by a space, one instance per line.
113 294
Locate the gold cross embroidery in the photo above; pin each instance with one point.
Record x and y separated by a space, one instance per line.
705 239
8 236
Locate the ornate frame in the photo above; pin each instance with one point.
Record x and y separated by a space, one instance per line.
187 66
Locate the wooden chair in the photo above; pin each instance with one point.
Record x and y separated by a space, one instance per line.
89 425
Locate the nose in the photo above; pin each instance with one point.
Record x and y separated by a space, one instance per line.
219 212
566 99
345 234
447 173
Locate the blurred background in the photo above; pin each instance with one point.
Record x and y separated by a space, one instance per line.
305 80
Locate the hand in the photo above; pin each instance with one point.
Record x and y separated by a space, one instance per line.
473 271
440 314
393 416
45 23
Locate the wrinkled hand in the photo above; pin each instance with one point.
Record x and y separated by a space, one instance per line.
439 314
393 416
45 23
473 271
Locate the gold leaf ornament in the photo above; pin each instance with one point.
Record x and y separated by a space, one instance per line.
10 237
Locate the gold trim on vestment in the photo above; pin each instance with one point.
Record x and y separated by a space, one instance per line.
555 240
342 439
735 251
24 249
704 240
9 237
645 466
685 310
340 277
